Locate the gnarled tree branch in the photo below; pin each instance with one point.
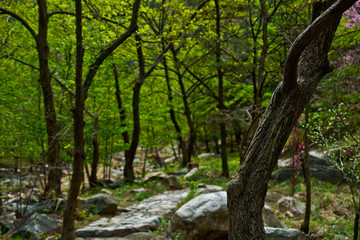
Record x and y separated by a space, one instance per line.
306 37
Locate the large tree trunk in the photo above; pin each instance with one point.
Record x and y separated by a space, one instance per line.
247 191
68 232
53 155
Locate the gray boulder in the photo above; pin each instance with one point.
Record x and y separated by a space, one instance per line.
104 203
172 183
204 188
155 176
273 196
324 173
289 204
6 221
270 218
35 225
207 155
117 184
203 217
320 168
285 234
178 172
170 160
47 206
191 173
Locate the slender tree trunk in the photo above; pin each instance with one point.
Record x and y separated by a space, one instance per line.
216 141
247 191
206 140
87 172
306 170
95 162
356 226
171 105
130 155
53 155
221 106
125 133
225 168
188 148
68 232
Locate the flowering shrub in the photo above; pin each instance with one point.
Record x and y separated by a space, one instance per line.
334 135
296 146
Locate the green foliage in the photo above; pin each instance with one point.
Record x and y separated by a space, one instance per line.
243 39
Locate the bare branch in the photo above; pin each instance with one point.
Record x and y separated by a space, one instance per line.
157 60
73 14
20 61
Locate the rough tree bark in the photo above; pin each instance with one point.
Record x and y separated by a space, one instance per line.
53 155
79 153
130 154
81 96
305 65
53 152
221 106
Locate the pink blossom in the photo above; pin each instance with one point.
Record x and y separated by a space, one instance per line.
352 57
353 15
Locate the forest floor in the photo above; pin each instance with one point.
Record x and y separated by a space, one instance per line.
331 213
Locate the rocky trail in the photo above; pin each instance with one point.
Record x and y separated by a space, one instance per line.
142 217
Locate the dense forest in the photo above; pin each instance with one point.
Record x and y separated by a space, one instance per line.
89 86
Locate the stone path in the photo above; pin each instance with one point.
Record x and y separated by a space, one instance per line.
136 218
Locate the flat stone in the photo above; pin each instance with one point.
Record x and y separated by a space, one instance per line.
137 218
